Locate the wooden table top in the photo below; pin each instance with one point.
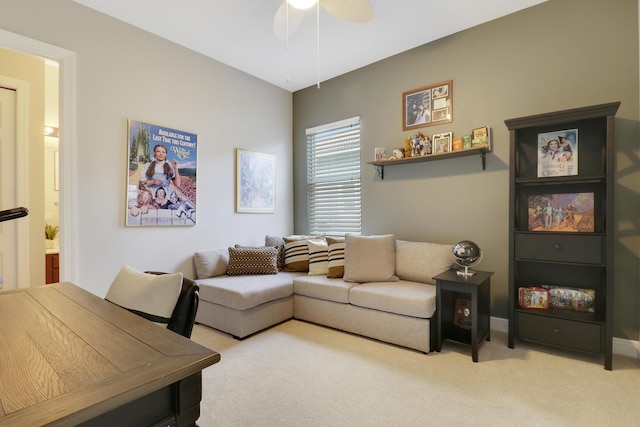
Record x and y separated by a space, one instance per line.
68 356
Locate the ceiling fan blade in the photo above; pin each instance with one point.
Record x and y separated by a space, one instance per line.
280 21
349 10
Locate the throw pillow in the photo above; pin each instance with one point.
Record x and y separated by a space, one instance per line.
370 258
211 263
253 260
267 246
318 257
154 296
296 252
276 241
335 257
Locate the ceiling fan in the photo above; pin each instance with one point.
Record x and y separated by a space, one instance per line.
290 13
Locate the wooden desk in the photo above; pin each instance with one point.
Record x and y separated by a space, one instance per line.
71 358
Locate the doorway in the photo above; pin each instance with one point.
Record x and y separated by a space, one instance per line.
31 254
8 230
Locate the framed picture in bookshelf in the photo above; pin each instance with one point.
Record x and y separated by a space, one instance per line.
442 142
534 298
562 212
576 299
558 153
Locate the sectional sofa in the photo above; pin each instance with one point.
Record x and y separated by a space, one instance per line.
374 286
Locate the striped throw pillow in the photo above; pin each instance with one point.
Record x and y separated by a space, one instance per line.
296 254
318 257
335 258
252 260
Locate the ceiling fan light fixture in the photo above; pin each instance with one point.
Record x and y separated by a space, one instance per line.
302 4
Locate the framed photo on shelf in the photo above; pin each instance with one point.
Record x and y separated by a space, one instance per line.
558 153
564 212
481 136
380 153
442 143
427 106
255 182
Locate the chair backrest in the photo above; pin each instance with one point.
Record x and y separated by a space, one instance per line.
184 313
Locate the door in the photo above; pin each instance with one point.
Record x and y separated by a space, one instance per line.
8 229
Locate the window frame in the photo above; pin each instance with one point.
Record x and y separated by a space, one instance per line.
334 175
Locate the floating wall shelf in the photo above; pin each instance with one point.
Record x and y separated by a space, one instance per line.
481 151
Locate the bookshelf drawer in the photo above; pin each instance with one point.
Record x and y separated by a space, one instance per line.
561 248
560 332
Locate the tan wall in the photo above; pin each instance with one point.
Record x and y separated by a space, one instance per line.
557 55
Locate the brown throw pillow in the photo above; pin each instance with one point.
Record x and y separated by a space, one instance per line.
253 260
276 241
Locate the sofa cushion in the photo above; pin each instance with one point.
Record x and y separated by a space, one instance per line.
402 297
370 258
245 292
318 257
149 294
420 261
279 242
335 257
322 287
211 262
253 260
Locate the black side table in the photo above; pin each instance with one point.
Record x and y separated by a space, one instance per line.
449 286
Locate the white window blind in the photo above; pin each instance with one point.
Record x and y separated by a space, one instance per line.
333 178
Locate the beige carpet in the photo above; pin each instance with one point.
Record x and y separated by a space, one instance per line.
299 374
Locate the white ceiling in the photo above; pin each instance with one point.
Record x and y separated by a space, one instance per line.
239 33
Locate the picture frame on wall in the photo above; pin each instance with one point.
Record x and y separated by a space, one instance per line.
427 106
161 180
255 182
442 143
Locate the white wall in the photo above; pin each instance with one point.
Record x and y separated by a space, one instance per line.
123 72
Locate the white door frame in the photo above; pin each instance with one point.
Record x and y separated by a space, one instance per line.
68 148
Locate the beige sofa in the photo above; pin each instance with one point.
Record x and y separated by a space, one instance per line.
386 292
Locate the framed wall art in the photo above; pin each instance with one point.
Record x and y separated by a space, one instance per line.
255 182
442 142
427 106
161 180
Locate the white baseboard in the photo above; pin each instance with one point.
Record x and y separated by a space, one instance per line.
621 346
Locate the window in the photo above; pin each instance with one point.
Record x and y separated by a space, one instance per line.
333 178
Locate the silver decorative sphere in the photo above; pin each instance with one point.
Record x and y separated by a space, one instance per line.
466 254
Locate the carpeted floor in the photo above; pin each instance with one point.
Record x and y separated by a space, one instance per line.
299 374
